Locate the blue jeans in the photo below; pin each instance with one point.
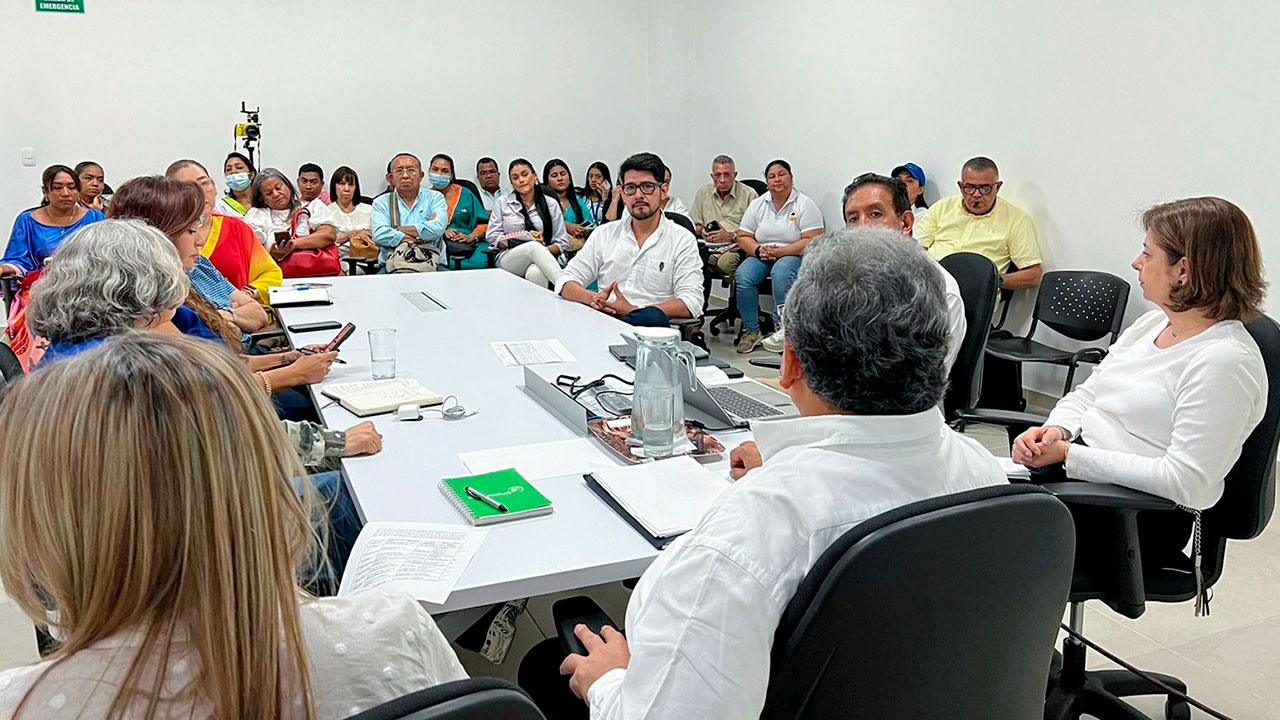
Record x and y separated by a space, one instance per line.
646 317
344 526
751 275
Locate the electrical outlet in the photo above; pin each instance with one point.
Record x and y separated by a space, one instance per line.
29 157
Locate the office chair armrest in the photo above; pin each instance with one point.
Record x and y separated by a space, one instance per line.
1107 495
1089 355
1007 418
774 363
685 322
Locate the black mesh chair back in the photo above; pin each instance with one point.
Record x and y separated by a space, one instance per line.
758 185
1081 304
468 185
1250 494
474 699
979 281
946 608
682 221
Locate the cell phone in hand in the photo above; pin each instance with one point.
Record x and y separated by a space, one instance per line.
347 331
712 226
282 237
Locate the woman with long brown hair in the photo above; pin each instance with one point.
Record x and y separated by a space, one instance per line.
174 593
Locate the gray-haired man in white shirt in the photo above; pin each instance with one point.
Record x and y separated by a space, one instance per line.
864 361
647 268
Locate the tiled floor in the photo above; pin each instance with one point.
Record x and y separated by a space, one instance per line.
1230 660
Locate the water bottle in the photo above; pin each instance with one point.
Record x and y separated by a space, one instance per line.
657 412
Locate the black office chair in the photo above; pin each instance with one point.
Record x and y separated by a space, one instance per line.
946 608
758 185
1124 585
1083 305
473 699
10 367
468 185
979 282
690 328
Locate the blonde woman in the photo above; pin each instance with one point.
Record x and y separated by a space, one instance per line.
175 592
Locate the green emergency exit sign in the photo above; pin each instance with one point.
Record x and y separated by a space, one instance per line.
60 6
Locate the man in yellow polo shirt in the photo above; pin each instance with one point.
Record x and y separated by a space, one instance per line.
974 221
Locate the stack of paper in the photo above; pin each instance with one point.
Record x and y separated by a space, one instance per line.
1013 470
422 559
539 460
667 497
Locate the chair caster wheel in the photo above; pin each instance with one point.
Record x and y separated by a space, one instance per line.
715 331
1177 709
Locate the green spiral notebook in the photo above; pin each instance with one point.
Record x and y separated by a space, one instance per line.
507 488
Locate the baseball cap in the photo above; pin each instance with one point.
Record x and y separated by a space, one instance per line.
912 168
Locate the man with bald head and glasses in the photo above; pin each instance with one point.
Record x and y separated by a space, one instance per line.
978 221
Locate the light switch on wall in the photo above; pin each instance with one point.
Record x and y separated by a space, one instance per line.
29 157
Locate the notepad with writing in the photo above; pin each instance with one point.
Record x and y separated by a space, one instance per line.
507 488
666 498
372 397
287 296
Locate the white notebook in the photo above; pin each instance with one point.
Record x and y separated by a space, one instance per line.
372 397
667 497
290 296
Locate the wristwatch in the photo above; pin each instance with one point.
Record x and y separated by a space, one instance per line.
756 252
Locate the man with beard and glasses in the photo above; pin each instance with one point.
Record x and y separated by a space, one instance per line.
646 266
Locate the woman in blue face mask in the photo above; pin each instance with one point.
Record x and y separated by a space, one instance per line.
239 172
468 219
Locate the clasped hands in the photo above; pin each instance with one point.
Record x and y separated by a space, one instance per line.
1040 446
770 253
618 306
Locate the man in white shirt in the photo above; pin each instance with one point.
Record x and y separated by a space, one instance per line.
872 200
489 180
864 363
646 267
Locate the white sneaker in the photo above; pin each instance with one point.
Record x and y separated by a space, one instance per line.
775 341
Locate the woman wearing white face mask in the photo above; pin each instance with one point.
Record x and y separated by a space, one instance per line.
239 172
468 219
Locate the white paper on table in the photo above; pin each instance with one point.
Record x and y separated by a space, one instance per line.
540 460
711 375
531 352
422 559
1013 470
667 497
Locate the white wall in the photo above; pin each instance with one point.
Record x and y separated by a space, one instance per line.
1093 110
137 84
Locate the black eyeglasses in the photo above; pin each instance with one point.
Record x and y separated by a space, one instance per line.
648 188
968 189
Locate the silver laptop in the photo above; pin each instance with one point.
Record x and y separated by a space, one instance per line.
738 401
734 402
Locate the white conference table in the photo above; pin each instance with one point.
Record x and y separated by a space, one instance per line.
583 542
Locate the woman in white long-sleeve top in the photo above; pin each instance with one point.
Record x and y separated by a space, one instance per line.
1168 410
528 228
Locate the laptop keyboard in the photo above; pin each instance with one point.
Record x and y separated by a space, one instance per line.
740 405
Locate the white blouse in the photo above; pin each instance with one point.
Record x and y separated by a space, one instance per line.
1167 421
360 218
364 650
267 222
